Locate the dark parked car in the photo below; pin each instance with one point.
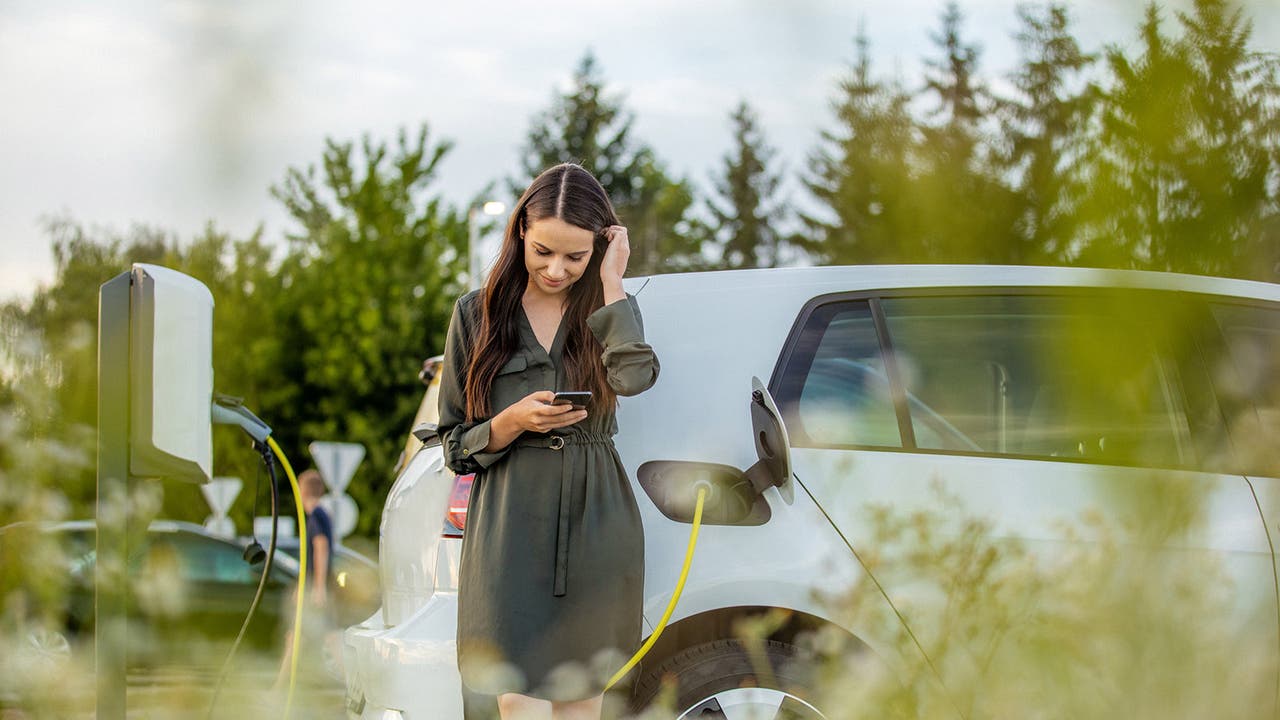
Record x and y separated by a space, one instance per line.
189 591
353 581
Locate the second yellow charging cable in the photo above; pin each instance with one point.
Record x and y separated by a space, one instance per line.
302 570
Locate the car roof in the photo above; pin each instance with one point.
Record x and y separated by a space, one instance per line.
852 278
165 526
713 331
168 527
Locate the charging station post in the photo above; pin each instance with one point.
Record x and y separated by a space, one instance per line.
110 630
155 390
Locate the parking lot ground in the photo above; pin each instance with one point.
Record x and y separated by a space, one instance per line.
183 693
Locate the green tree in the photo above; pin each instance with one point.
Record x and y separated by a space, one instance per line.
369 283
1131 157
966 210
745 221
1186 158
1041 128
58 325
59 331
861 173
1236 126
593 129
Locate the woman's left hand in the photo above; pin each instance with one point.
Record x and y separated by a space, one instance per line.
614 264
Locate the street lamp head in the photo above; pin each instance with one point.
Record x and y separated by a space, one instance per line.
494 207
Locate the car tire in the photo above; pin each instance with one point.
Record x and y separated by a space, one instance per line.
724 678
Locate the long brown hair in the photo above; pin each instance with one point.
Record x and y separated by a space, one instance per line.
570 193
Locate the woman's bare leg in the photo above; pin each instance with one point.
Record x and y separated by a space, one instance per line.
588 709
513 706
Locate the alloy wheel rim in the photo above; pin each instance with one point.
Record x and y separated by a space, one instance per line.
751 704
49 643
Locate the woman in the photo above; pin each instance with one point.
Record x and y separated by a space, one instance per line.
552 568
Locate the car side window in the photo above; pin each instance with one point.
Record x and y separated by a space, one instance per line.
834 389
1043 376
1248 382
208 561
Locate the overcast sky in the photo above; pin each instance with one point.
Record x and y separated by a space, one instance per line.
182 112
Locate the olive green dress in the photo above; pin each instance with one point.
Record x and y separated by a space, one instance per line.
551 579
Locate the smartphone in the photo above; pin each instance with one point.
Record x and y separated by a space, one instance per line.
578 400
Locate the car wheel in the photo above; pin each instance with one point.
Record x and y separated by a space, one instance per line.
49 645
723 679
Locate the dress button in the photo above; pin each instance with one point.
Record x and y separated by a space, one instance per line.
466 451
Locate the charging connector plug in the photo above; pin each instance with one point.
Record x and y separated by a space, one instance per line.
227 410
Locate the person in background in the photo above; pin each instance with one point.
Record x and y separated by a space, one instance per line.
319 537
319 551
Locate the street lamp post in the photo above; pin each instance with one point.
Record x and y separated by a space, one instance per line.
475 260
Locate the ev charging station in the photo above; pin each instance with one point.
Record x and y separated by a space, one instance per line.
155 393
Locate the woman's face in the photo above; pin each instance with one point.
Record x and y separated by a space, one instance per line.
556 254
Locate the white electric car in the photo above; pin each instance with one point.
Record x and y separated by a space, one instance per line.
1028 397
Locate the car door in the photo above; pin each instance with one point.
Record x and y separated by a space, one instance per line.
212 588
943 430
1244 362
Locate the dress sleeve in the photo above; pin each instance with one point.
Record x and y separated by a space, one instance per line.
630 362
463 442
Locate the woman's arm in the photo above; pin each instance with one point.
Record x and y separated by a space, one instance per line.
319 590
468 446
503 430
630 364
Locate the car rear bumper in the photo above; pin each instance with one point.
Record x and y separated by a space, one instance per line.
395 672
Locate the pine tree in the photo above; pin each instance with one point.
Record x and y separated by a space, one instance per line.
954 78
967 212
1133 173
745 220
1186 159
1042 127
589 127
861 173
1235 147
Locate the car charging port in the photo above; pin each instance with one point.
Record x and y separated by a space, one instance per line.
731 500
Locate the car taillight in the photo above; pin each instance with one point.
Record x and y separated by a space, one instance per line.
455 516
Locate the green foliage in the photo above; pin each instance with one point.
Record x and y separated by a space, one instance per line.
40 455
588 127
1171 161
1123 620
51 368
861 173
1041 128
745 221
966 208
324 343
1186 150
366 292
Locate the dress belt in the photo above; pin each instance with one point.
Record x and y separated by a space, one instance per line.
558 442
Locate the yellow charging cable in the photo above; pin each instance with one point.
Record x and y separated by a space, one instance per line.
302 570
675 597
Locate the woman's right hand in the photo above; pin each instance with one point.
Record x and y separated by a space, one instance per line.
536 413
